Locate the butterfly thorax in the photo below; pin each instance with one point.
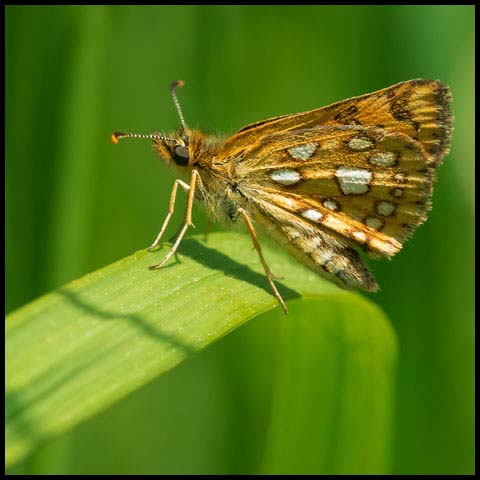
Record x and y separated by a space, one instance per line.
200 151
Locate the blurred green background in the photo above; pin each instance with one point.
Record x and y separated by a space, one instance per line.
75 202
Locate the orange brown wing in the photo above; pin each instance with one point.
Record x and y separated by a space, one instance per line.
418 108
366 185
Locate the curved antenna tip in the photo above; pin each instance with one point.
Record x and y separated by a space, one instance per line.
177 83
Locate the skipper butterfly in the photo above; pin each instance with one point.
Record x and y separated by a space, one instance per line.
357 174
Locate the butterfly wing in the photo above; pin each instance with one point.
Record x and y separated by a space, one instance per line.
364 184
356 173
320 250
419 109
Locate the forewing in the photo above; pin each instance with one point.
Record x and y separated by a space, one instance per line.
419 109
365 185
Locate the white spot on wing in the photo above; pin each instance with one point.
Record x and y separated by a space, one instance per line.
312 215
385 208
374 222
285 176
384 159
360 143
303 152
359 236
323 256
331 205
353 181
289 203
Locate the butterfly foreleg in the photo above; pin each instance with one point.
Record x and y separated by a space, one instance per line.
258 248
171 209
194 179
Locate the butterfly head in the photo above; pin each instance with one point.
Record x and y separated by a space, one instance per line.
174 148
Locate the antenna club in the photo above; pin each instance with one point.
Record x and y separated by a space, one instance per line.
177 83
114 138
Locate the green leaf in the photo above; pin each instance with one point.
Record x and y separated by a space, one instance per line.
77 350
333 400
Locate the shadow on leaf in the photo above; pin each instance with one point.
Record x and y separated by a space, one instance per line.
214 259
135 319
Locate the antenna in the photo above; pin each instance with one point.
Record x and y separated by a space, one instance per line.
173 91
116 136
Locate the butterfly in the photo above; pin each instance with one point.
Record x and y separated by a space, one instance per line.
324 184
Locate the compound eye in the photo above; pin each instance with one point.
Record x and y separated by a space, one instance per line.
180 155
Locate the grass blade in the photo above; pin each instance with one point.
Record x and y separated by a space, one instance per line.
77 350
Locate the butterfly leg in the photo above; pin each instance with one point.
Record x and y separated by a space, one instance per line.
258 248
188 219
177 233
171 208
276 277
